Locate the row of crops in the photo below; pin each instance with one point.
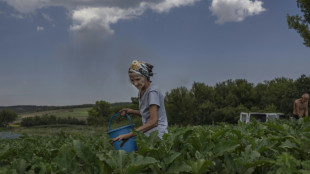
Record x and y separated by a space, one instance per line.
272 147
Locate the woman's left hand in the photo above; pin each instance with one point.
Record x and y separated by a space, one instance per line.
123 137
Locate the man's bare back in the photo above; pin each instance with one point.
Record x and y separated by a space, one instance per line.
301 106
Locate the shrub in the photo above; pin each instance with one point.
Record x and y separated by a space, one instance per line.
6 117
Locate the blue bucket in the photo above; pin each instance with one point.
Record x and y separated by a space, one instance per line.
130 145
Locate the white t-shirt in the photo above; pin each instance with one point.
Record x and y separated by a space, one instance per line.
153 96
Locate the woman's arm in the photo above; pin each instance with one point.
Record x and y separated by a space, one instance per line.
153 122
129 111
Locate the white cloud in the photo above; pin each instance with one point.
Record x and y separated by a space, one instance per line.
101 17
26 6
29 6
40 28
94 17
47 17
166 5
235 10
95 14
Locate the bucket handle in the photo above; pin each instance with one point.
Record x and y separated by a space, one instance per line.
117 114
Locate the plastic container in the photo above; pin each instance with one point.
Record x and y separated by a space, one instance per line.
130 145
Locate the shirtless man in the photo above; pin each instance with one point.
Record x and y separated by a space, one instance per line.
301 107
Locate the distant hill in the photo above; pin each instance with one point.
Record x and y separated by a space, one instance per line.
21 109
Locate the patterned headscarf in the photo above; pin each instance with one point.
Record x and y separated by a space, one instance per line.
139 67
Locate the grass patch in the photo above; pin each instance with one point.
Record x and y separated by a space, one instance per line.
50 130
79 113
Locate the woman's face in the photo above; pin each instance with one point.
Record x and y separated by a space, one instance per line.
138 81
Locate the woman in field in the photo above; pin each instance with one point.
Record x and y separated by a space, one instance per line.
151 102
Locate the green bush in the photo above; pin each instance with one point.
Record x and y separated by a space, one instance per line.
6 117
102 111
99 113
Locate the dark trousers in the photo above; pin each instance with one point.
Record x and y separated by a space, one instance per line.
295 116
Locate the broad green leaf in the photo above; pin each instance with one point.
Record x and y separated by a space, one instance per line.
200 166
116 159
225 147
138 163
306 164
66 158
304 171
170 157
286 163
20 165
288 145
178 166
229 164
104 166
247 161
4 152
3 170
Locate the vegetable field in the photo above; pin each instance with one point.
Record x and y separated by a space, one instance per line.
272 147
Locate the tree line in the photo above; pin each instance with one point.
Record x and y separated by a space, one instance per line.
204 104
21 109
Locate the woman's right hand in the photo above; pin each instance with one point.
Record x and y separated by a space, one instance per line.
125 111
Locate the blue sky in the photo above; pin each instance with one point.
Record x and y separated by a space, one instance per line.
78 51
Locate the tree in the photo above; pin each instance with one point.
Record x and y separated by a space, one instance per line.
203 103
301 23
180 107
6 117
98 113
135 100
303 85
278 93
227 114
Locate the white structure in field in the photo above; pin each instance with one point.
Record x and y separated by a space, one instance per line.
260 117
